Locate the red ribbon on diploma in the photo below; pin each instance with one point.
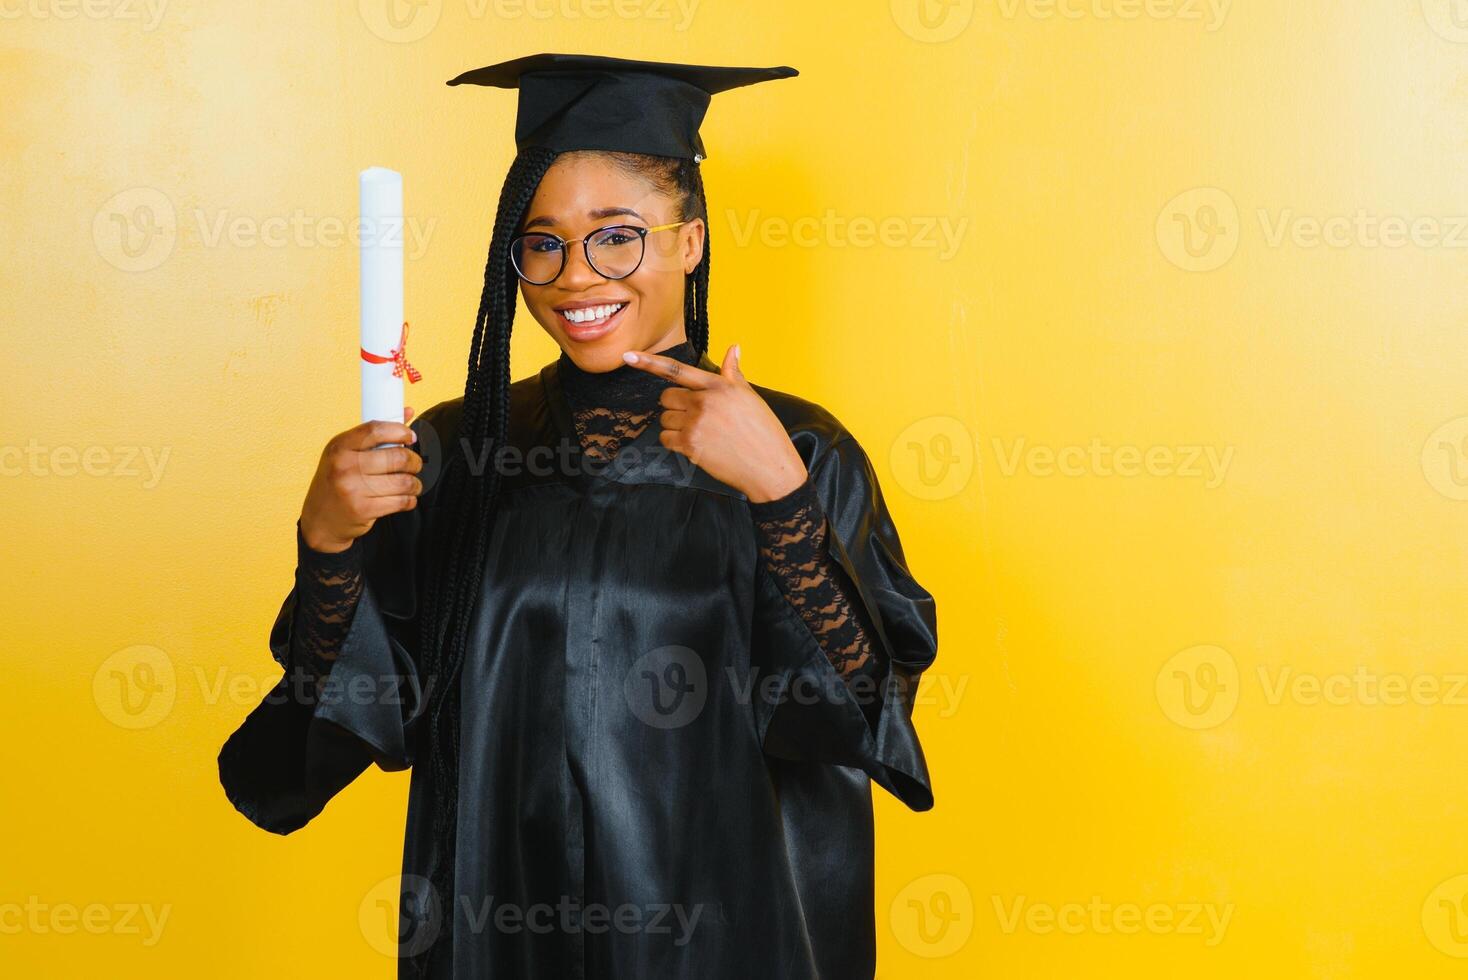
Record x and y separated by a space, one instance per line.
397 357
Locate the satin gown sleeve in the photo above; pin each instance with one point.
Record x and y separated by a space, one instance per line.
350 694
848 702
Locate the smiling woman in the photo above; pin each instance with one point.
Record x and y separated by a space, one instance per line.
633 693
625 287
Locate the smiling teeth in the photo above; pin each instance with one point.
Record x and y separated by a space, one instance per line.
592 314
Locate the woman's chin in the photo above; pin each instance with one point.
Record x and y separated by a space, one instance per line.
602 354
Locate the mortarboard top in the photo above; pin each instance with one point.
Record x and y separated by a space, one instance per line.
588 102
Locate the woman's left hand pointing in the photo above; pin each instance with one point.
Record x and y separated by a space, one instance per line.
723 425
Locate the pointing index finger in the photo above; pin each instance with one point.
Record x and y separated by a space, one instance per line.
674 370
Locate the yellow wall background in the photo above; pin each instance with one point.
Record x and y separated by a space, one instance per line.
1151 314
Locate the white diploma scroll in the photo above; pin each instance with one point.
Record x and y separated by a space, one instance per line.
384 332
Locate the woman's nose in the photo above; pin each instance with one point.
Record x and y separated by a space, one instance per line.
579 272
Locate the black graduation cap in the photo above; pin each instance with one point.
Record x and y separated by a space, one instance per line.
587 102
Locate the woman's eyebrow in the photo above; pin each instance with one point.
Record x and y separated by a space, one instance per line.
598 214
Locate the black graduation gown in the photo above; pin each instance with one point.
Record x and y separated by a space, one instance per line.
661 774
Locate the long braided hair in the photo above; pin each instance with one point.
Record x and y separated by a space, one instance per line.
459 532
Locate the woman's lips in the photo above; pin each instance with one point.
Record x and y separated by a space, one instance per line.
591 329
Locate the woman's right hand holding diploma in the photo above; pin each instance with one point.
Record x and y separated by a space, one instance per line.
356 483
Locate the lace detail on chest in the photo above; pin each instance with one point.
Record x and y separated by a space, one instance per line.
612 408
603 431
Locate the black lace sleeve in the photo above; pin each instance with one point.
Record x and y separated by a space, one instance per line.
328 586
792 534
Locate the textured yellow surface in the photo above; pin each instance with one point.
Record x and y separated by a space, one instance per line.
1150 314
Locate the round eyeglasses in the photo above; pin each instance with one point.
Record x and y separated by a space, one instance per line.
614 252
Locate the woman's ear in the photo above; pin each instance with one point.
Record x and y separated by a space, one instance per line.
691 237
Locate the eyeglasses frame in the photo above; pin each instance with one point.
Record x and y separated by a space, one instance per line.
586 249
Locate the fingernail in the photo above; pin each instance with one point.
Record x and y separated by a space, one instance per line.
415 436
629 357
737 355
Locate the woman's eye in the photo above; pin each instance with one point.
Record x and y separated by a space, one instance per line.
616 238
545 245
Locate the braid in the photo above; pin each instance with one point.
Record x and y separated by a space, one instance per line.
460 535
695 298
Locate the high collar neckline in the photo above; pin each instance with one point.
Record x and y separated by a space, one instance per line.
621 385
